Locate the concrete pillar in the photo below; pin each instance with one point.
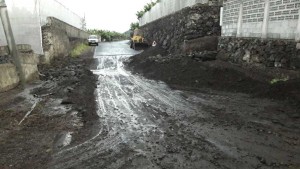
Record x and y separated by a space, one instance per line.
240 21
264 31
297 32
11 40
221 16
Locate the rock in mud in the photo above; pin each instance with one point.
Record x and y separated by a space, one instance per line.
66 101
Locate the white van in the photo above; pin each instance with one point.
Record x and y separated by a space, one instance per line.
93 40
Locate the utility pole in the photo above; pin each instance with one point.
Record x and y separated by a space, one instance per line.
11 41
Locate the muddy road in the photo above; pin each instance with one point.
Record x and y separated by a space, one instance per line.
91 112
145 124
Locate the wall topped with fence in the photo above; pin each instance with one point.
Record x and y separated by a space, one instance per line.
278 19
27 17
167 7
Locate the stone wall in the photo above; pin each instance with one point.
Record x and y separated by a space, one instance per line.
168 7
269 53
56 39
194 22
55 43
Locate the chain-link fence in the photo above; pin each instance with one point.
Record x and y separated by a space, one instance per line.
27 17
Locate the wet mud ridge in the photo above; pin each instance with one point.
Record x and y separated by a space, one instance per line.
55 112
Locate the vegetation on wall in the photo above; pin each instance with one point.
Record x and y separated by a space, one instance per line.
134 26
147 8
107 35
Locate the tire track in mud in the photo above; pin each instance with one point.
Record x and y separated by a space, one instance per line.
131 110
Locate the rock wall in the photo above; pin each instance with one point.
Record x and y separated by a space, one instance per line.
55 43
269 53
168 7
194 22
56 39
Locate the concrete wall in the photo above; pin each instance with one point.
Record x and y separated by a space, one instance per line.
72 32
56 39
53 8
27 55
27 17
56 43
277 19
9 77
167 7
190 23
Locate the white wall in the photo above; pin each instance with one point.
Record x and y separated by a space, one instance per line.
25 24
55 9
27 17
281 18
167 7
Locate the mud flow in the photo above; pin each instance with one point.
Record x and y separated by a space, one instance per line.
145 124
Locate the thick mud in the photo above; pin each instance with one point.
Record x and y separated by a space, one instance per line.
55 112
248 121
147 124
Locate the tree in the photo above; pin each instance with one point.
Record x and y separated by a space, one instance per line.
107 35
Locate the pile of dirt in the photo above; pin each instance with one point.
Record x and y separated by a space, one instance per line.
76 85
283 90
184 72
151 51
181 71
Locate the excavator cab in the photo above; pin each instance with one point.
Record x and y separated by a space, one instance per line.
138 40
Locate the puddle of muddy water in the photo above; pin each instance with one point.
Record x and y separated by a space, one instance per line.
53 107
63 139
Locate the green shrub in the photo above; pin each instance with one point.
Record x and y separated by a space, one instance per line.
79 49
134 26
147 8
276 80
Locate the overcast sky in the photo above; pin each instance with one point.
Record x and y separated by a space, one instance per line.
114 15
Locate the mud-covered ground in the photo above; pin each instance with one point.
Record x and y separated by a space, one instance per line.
54 112
250 121
162 112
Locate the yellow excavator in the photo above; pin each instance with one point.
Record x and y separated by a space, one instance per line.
138 40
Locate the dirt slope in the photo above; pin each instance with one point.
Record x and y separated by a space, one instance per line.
184 72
